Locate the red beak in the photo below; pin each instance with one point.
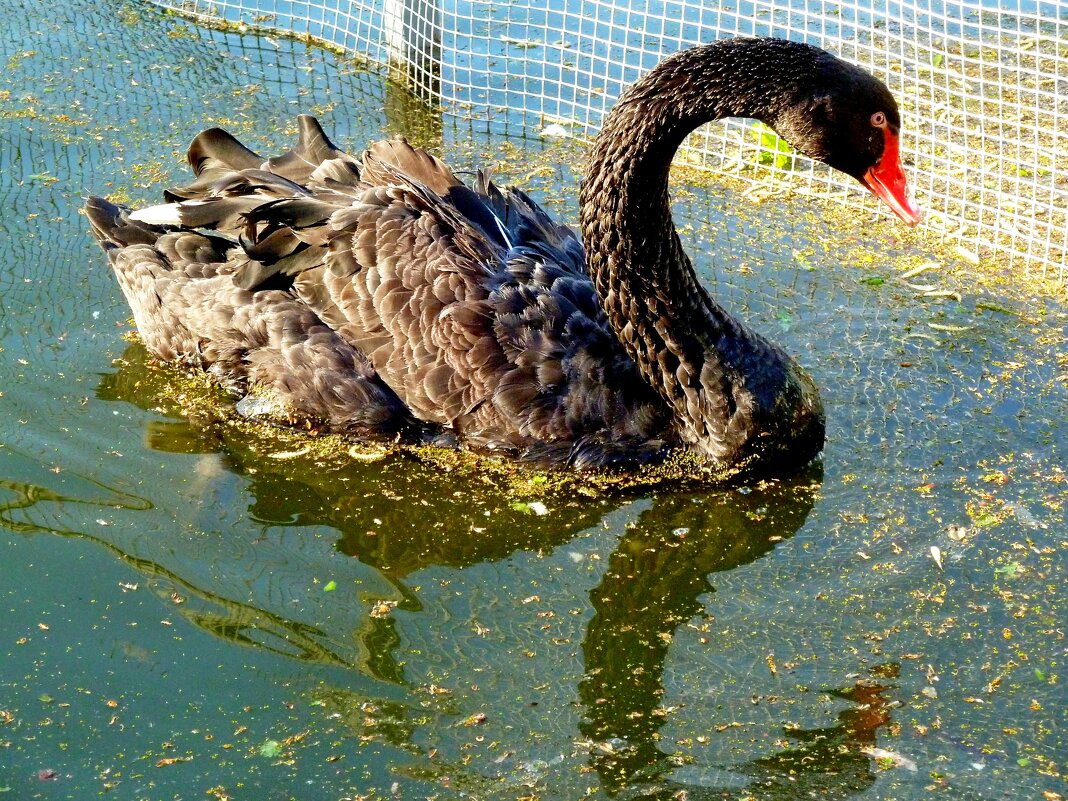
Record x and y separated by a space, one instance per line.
886 180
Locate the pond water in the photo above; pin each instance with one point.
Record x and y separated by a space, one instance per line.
194 611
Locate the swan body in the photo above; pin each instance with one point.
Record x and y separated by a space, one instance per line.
383 297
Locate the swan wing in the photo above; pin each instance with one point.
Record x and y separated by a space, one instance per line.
187 306
476 308
371 294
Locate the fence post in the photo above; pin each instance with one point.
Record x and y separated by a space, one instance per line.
413 38
413 116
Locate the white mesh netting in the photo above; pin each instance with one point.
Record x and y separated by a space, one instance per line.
984 91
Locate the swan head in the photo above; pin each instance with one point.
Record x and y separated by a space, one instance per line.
849 120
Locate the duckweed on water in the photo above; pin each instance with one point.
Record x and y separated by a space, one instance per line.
191 393
214 607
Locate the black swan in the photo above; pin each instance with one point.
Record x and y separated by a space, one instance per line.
385 298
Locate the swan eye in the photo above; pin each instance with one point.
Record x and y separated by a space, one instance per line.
878 119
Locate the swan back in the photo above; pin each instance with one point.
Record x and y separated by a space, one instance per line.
468 303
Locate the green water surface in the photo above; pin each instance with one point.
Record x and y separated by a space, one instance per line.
189 612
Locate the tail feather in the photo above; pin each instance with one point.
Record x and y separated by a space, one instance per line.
313 149
113 226
213 154
216 149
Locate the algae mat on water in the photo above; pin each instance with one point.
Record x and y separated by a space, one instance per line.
195 608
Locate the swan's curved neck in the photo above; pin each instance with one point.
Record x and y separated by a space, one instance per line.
688 348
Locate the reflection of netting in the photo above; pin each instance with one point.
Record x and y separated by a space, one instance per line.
760 671
983 91
180 81
121 125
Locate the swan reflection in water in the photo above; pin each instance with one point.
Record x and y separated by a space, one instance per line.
401 518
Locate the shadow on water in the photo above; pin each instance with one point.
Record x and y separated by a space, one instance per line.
656 581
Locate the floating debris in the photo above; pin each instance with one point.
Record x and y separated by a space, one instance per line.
936 554
382 608
927 265
944 293
531 507
892 758
254 406
1023 514
554 131
524 44
364 453
289 454
957 533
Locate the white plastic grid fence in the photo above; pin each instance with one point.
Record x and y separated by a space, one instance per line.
984 90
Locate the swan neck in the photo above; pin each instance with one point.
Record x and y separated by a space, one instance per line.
690 350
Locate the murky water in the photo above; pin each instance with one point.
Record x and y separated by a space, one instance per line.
193 612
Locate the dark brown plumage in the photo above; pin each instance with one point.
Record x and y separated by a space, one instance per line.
384 297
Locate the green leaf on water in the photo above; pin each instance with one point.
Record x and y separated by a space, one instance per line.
1010 570
1039 674
271 749
1023 762
873 280
330 586
45 698
802 261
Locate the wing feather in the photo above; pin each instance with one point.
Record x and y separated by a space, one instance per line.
374 293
